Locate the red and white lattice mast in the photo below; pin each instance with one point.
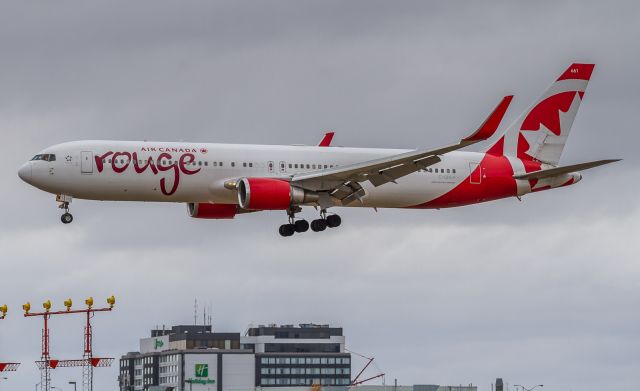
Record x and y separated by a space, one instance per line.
88 361
7 366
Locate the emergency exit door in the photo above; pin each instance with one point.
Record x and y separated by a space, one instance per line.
475 173
86 162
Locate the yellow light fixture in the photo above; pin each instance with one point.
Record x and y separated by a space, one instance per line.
111 301
3 310
26 307
89 302
47 305
68 303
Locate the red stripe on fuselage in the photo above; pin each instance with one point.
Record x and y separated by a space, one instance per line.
497 182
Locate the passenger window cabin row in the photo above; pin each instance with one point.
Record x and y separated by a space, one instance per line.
291 166
441 170
219 164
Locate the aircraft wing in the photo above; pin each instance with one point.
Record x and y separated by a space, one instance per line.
551 172
343 183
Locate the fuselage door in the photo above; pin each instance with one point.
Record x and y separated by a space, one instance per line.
86 162
475 176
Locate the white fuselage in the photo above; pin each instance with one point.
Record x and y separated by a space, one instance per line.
197 172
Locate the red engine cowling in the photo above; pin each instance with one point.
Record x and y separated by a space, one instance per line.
271 194
212 211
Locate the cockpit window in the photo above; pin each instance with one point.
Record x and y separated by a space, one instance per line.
49 157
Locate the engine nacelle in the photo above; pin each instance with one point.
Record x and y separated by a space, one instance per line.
271 194
212 211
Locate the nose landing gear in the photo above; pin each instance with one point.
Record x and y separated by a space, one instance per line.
64 202
66 218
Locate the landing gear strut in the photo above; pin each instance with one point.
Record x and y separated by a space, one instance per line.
294 225
64 201
318 225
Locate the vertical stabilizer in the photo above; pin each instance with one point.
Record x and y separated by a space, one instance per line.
541 132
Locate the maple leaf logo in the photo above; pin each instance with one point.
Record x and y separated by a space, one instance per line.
547 121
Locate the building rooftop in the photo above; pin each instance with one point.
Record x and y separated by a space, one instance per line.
302 331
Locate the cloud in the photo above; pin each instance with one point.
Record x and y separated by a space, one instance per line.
542 290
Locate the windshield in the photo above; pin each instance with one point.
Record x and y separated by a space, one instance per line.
47 157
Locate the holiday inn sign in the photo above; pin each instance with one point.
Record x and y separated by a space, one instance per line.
202 375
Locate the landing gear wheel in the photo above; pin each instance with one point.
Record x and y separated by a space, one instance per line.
333 221
287 230
318 225
301 226
66 218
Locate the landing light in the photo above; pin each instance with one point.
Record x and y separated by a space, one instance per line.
68 303
89 302
3 310
26 307
47 305
111 301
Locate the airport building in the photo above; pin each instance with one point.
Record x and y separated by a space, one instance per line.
195 357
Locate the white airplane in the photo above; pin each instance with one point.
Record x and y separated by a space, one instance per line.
219 181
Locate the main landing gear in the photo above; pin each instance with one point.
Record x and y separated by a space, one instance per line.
299 226
64 202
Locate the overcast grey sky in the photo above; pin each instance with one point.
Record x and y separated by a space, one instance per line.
541 291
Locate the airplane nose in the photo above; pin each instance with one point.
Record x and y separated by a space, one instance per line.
25 172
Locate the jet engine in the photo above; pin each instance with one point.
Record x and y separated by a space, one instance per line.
271 194
212 211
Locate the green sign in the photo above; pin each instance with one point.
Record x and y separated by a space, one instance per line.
200 381
158 344
202 370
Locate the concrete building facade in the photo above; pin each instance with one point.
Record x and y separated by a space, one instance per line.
195 357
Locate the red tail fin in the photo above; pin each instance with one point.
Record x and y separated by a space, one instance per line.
541 132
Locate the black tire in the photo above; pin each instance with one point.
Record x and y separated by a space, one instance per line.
287 230
318 225
66 218
333 221
291 229
301 226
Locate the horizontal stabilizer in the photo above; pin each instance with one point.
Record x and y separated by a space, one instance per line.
551 172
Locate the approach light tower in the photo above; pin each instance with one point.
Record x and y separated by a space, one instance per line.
7 366
88 361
